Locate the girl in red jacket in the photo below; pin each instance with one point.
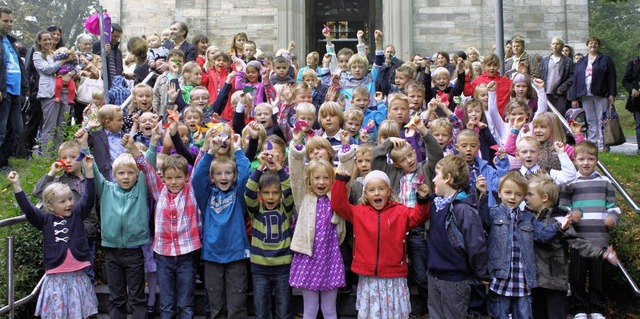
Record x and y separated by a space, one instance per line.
380 225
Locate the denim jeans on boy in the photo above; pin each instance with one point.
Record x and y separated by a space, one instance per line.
500 307
263 286
418 258
177 281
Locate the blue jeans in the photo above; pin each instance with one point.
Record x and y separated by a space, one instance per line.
263 286
500 307
11 126
418 258
177 281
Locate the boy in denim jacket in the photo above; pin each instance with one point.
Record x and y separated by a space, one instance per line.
512 262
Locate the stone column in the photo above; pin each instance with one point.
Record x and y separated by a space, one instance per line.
397 29
292 25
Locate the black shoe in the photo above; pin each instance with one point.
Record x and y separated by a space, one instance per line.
151 310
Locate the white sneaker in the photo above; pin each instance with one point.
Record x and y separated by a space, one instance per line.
596 316
581 315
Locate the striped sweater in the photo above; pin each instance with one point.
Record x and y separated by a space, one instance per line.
594 195
271 233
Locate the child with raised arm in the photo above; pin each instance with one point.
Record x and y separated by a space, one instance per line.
529 155
177 229
71 169
225 246
511 233
593 195
67 291
456 241
552 258
125 227
380 225
317 267
270 206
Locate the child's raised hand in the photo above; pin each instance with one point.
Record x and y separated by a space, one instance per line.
265 73
558 146
326 61
491 86
460 67
423 190
397 141
501 153
87 163
254 129
135 118
56 168
231 77
364 136
519 121
345 137
81 136
174 67
172 92
237 141
292 46
575 215
481 184
378 36
419 125
157 134
331 94
378 96
13 178
247 99
262 160
287 94
575 126
127 142
360 35
433 105
298 135
341 101
93 123
538 83
335 80
481 125
326 32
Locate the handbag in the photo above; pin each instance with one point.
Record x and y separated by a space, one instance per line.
86 88
613 134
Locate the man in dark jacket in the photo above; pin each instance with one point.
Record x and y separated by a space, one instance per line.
13 84
114 55
179 32
631 83
556 70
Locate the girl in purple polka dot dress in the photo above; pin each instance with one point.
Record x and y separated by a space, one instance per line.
317 267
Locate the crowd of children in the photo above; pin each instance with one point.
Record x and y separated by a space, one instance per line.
275 178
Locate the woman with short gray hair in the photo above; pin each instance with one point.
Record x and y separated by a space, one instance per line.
91 68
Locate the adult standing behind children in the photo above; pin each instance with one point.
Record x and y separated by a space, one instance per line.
594 84
556 70
521 62
114 55
631 83
179 32
12 82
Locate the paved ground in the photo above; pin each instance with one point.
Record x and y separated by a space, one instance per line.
629 148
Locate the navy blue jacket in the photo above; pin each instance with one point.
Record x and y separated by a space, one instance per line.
603 80
457 241
566 74
70 229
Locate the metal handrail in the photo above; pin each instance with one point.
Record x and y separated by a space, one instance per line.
601 166
26 299
11 303
629 279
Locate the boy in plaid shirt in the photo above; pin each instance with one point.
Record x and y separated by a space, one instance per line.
177 228
512 263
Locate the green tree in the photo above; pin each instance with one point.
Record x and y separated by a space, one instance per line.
32 16
616 25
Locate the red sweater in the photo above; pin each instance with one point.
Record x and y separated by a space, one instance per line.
379 240
214 81
503 88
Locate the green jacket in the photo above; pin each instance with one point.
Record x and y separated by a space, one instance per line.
124 213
